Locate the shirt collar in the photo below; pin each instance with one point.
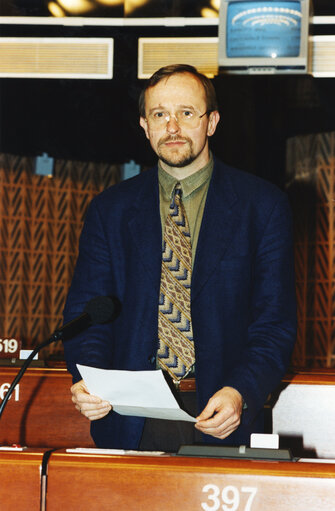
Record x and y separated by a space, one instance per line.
189 185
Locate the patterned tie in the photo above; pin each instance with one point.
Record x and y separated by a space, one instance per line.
176 348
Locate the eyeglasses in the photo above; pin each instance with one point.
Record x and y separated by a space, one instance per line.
184 117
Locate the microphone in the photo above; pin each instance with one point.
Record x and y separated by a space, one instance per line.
99 310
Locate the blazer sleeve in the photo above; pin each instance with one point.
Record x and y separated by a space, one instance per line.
92 277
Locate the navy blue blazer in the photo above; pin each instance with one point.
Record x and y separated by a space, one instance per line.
243 292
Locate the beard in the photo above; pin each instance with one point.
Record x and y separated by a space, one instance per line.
176 157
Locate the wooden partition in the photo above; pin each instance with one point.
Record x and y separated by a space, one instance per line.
40 412
170 483
21 479
124 482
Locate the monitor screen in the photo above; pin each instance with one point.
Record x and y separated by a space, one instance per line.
263 29
264 34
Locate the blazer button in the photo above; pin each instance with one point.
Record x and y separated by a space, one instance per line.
152 359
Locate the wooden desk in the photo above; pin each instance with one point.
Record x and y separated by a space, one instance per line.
20 479
106 482
40 412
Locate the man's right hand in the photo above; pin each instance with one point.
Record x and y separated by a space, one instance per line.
93 407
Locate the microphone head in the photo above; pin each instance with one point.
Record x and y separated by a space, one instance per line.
103 309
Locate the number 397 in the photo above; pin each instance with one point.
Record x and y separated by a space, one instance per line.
228 499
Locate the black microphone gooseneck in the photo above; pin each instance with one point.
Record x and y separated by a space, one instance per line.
101 309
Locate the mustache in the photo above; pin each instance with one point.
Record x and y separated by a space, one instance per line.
173 138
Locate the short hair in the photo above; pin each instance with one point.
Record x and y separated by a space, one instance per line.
165 72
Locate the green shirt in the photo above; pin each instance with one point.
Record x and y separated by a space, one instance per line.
194 188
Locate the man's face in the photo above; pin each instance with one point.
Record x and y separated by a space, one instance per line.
179 146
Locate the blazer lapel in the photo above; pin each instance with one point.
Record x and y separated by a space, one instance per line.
145 228
217 228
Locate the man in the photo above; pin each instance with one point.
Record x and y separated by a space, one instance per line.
242 301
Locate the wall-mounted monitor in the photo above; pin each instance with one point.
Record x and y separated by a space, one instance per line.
264 36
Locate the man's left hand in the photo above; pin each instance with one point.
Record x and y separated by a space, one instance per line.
222 414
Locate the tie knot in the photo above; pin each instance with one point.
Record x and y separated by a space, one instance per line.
177 192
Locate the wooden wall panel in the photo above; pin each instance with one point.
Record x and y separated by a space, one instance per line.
311 185
40 223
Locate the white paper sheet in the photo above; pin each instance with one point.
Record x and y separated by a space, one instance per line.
138 393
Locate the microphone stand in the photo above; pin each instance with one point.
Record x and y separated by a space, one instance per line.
101 309
56 336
